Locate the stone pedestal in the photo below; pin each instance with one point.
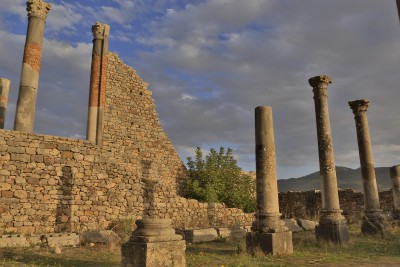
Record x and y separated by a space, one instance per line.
395 176
332 224
4 89
373 221
269 234
26 105
154 244
275 244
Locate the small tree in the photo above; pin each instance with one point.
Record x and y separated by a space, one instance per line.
217 178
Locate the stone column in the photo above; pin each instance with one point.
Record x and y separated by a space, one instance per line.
4 89
154 243
26 105
395 175
98 82
269 233
373 220
332 224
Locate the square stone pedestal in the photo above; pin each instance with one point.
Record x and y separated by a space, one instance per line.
337 233
154 254
269 243
154 244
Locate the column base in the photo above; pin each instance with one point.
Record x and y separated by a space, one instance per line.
332 228
373 223
274 244
154 243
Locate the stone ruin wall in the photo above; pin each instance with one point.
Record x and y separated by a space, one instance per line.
308 205
57 184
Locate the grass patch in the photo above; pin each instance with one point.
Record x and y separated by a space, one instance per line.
361 251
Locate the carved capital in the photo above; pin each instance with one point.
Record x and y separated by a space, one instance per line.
319 82
100 31
38 8
359 107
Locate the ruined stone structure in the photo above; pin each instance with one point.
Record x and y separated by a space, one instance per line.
26 106
332 225
56 184
307 205
269 233
395 176
373 220
98 82
4 89
154 243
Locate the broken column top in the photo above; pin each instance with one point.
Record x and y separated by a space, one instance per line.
320 81
100 30
38 8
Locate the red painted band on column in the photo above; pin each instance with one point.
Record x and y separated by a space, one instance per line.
33 55
94 81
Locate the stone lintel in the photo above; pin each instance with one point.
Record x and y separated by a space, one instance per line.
100 31
359 107
38 8
320 81
275 244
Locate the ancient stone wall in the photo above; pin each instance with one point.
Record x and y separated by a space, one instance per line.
307 205
55 184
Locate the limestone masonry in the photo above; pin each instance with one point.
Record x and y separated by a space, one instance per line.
55 184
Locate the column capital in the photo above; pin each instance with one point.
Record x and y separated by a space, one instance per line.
359 107
321 81
38 8
100 31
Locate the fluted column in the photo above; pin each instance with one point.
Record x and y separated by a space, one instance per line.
332 225
373 220
98 82
4 89
395 176
26 105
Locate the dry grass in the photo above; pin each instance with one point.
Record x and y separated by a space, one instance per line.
362 251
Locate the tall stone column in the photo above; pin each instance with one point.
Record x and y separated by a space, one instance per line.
332 224
4 89
269 233
98 82
395 175
26 105
373 220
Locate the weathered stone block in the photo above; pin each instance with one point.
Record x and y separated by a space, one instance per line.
62 239
269 243
292 225
200 235
13 241
307 225
337 233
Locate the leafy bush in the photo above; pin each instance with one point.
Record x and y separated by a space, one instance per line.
217 178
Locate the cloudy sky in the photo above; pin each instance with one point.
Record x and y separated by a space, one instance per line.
211 62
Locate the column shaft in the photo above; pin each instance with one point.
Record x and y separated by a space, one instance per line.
4 89
98 82
332 225
373 221
266 181
26 105
330 200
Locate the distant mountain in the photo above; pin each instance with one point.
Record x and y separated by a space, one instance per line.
347 178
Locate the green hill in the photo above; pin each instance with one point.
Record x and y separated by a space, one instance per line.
347 178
